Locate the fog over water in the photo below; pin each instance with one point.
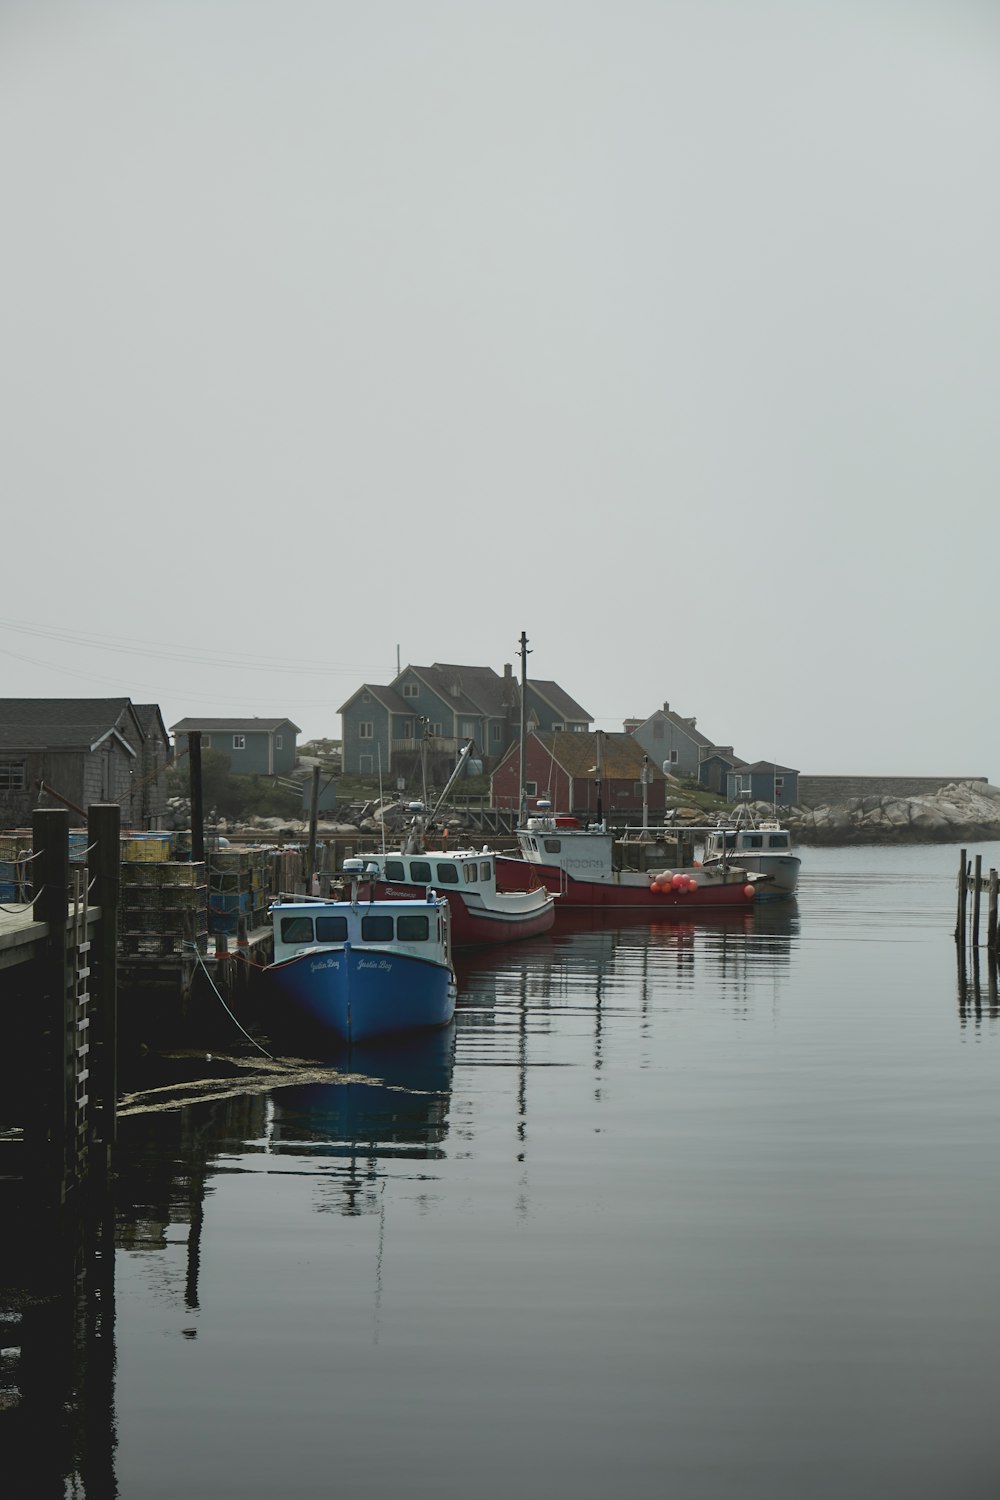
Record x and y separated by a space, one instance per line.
666 332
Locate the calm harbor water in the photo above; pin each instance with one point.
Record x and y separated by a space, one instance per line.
697 1209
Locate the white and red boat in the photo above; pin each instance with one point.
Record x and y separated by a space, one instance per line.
585 868
480 913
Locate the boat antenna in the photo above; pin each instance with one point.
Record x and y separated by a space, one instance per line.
523 804
598 778
381 799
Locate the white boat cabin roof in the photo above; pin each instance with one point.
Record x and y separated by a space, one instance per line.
419 926
438 868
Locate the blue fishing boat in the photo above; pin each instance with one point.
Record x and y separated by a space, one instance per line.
351 971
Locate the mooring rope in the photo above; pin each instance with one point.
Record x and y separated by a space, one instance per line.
250 1039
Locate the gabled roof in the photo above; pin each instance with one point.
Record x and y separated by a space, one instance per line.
150 719
622 757
387 696
565 707
685 725
476 690
64 723
716 752
234 726
769 767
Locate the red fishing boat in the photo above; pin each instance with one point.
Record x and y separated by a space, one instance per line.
589 867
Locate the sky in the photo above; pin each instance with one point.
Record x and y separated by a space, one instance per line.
334 336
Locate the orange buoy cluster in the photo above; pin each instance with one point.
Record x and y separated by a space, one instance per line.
671 883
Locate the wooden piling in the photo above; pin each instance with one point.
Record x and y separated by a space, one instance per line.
963 892
991 913
46 1125
976 899
197 804
104 875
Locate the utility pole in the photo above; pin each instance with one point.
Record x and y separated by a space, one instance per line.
524 729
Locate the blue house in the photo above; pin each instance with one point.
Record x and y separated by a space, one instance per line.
764 781
674 744
424 717
254 747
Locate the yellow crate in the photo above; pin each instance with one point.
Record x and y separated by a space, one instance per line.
154 848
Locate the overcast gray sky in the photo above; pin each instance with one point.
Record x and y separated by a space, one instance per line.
664 332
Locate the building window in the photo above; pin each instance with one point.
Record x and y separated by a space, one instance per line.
497 732
366 730
410 690
13 775
206 742
277 742
557 727
407 729
531 788
468 730
674 757
366 697
737 784
239 741
779 787
434 729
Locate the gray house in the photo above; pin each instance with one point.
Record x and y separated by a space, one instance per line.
254 747
764 781
675 745
426 714
74 751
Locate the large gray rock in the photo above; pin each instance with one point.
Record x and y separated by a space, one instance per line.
963 812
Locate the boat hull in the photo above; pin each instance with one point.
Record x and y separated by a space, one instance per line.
358 994
782 871
625 889
515 916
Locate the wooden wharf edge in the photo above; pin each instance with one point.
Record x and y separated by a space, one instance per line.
66 939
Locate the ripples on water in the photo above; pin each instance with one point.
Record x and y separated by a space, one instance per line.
704 1208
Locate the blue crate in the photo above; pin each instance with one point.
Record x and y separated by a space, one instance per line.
227 922
226 901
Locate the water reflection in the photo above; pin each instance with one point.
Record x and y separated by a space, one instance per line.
57 1313
393 1103
977 986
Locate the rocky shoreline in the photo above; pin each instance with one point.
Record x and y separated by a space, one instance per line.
965 812
960 813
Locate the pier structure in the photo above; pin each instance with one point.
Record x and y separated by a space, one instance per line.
60 1010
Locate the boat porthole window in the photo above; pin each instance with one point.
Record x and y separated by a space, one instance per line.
552 846
412 929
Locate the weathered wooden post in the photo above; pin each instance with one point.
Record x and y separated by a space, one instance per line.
313 819
46 1126
197 803
962 894
104 874
976 900
991 913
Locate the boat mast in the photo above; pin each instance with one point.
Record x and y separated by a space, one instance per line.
523 804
